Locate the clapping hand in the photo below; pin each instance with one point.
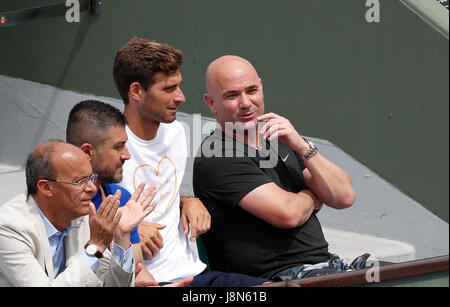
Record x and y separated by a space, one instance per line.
137 208
104 221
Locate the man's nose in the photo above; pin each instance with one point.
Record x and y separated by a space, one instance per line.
244 101
90 187
179 97
126 154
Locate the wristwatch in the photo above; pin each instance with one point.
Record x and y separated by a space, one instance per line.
92 250
311 153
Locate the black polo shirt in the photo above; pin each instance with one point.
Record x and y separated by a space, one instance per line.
238 241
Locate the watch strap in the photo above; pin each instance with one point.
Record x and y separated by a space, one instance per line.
312 152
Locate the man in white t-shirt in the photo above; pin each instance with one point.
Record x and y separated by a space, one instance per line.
147 76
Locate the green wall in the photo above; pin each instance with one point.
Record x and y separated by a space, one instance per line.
377 90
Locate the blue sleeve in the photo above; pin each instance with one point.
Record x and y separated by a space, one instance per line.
124 198
134 236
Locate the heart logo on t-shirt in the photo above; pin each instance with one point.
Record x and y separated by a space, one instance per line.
165 179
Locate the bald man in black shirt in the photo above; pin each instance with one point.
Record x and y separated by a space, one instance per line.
263 215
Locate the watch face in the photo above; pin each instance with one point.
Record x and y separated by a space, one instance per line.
91 249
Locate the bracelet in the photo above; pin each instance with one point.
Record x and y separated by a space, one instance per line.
311 153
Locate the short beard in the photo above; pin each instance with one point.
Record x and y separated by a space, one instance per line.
107 176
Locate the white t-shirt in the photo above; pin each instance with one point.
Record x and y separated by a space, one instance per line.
162 162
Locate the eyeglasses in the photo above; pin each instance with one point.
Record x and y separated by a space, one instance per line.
82 182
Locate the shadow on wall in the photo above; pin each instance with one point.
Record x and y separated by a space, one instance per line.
49 109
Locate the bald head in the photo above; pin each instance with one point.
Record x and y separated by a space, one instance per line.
235 92
56 149
67 157
48 159
225 68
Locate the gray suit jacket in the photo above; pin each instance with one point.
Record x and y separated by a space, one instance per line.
25 256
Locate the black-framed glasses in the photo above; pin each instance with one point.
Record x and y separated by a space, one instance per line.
82 182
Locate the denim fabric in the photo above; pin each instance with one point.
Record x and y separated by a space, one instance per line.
334 265
220 279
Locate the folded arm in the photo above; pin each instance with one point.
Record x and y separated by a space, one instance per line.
278 207
329 182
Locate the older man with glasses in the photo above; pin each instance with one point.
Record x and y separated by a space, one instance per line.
81 183
55 237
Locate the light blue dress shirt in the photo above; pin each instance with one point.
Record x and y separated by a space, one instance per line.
57 247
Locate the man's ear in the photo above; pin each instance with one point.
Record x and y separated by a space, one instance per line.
44 188
88 149
134 92
209 102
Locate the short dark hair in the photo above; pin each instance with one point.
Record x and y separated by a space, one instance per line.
140 60
39 166
89 122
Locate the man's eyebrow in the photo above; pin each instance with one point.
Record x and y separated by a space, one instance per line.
168 87
120 143
230 92
174 84
80 178
252 87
